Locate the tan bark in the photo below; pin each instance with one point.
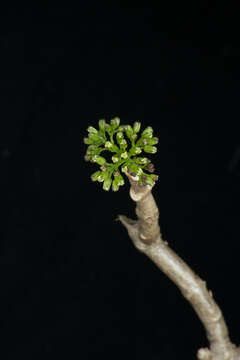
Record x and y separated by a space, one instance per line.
146 236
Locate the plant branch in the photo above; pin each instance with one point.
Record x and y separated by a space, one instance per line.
146 236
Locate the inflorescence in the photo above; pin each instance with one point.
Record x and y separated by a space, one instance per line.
117 139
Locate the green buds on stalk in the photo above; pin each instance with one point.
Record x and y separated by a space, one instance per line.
116 139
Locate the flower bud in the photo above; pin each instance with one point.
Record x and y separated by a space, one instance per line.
87 157
94 176
119 135
149 167
102 176
108 128
139 171
101 124
124 155
152 141
142 161
149 181
137 150
123 143
150 149
129 131
115 122
92 150
108 144
124 168
133 168
99 160
107 184
92 130
92 147
136 126
94 137
87 141
147 132
119 180
115 185
115 158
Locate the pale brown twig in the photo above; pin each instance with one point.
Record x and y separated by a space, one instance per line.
146 236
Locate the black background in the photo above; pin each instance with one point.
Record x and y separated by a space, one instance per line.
72 284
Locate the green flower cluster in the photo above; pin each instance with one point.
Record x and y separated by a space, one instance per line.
125 144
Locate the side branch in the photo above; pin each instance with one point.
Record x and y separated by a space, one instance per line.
145 234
